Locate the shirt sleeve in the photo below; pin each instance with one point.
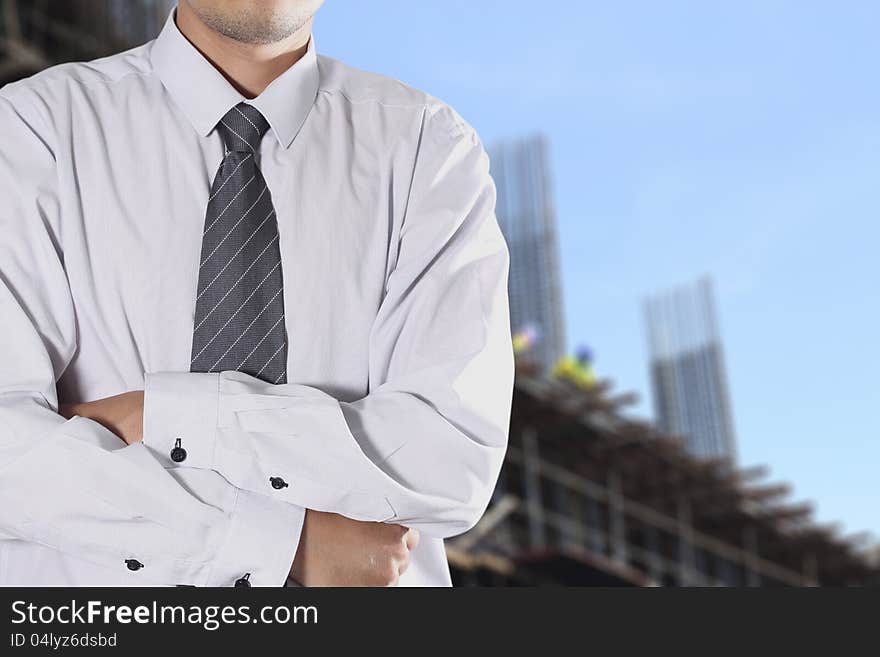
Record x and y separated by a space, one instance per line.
73 485
425 446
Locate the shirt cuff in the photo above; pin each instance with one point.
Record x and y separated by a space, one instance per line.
180 417
261 544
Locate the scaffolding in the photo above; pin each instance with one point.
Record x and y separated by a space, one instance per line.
590 497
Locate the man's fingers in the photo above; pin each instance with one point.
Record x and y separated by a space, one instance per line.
412 539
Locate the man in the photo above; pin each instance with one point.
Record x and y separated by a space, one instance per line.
254 315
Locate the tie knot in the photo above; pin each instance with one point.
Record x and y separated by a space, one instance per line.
243 128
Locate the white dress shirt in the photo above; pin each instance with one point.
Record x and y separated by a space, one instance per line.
400 364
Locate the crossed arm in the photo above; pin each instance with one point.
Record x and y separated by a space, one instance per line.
422 450
333 550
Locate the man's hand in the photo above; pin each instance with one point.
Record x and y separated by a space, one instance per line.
337 551
122 414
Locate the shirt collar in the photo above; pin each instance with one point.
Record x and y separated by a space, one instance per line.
205 96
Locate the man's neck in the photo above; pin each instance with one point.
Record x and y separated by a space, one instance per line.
250 68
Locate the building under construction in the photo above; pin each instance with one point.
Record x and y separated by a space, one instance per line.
688 377
527 218
589 497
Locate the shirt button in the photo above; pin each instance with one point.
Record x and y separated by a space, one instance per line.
178 454
243 581
133 564
277 483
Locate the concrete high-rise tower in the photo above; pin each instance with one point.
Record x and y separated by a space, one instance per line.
527 216
688 378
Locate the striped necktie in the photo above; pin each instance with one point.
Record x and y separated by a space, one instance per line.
239 313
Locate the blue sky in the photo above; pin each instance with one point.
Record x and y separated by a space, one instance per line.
736 139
